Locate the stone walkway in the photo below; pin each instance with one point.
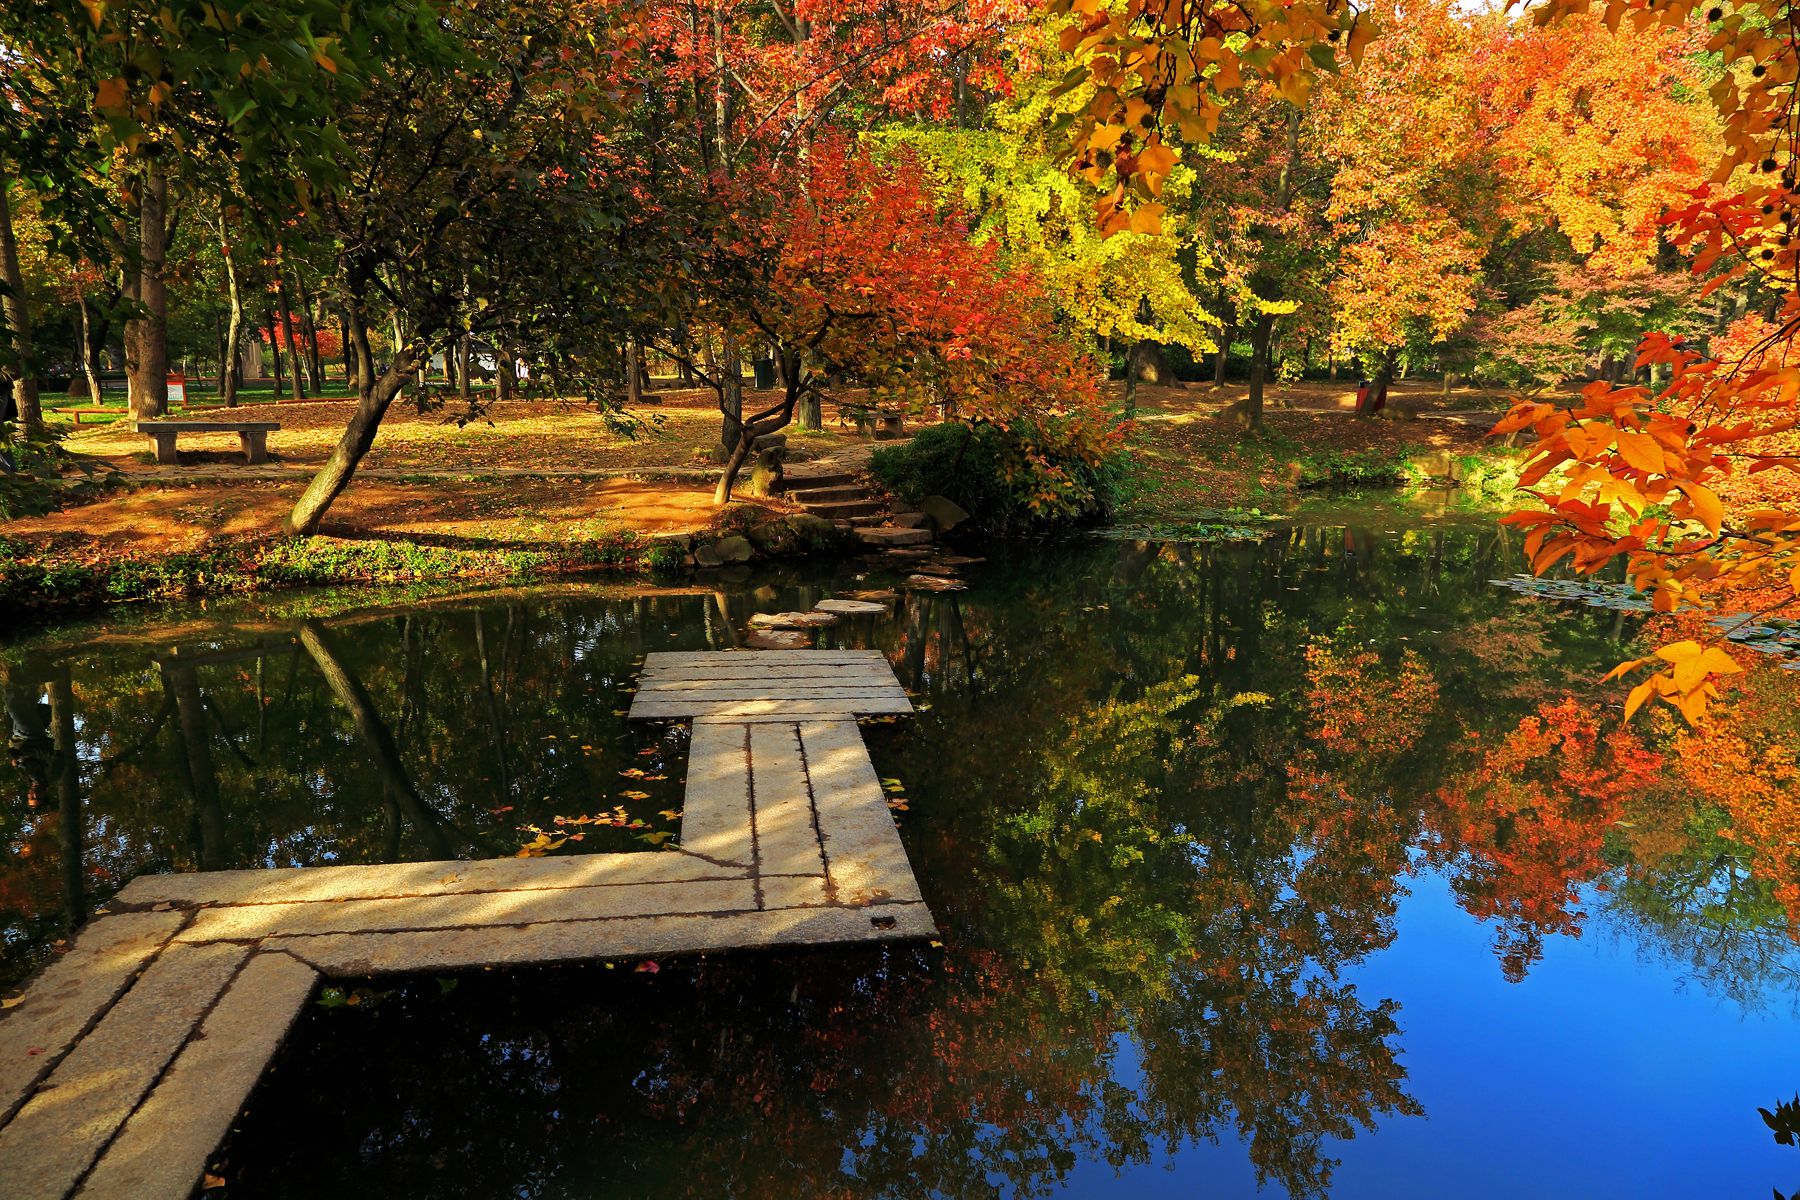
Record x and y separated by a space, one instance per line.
124 1064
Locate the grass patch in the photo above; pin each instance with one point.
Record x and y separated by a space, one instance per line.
36 585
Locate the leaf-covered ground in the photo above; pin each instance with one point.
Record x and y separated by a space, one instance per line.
493 481
1189 460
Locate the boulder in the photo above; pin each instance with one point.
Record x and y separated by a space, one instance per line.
706 556
734 549
909 520
944 514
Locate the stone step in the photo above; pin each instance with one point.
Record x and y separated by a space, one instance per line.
793 480
866 522
893 535
849 509
827 495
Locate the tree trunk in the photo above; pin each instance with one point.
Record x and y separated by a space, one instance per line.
147 337
88 367
358 436
1224 353
1259 370
287 328
731 397
634 383
309 334
505 373
274 351
464 352
811 412
18 320
229 373
350 375
359 360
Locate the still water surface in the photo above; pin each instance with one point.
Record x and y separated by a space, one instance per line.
1314 866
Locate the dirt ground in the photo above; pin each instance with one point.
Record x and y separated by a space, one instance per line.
482 482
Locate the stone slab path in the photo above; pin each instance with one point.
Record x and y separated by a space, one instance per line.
124 1064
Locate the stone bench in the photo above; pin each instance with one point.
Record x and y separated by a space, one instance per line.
254 436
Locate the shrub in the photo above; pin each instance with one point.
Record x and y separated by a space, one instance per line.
1009 480
31 465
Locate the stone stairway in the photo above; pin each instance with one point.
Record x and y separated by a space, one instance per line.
839 491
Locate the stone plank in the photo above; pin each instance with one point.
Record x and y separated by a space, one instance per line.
573 941
164 1147
715 813
63 1126
739 693
864 859
750 708
792 891
71 992
662 658
519 907
787 842
869 682
443 878
745 667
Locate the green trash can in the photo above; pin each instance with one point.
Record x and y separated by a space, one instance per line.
764 369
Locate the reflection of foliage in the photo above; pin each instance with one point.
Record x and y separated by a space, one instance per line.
1523 830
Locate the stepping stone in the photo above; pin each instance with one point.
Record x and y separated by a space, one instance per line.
959 560
852 608
905 552
878 595
894 535
936 568
778 639
910 520
934 583
792 620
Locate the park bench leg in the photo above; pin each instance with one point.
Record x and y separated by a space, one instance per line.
165 448
256 444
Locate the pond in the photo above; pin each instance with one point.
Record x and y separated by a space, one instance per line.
1307 865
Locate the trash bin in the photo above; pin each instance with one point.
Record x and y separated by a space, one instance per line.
764 369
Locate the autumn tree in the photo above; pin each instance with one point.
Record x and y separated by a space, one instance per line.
861 275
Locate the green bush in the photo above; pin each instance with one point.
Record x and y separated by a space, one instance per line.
1009 480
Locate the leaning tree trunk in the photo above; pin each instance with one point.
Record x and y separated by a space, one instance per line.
230 373
147 337
18 320
358 436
